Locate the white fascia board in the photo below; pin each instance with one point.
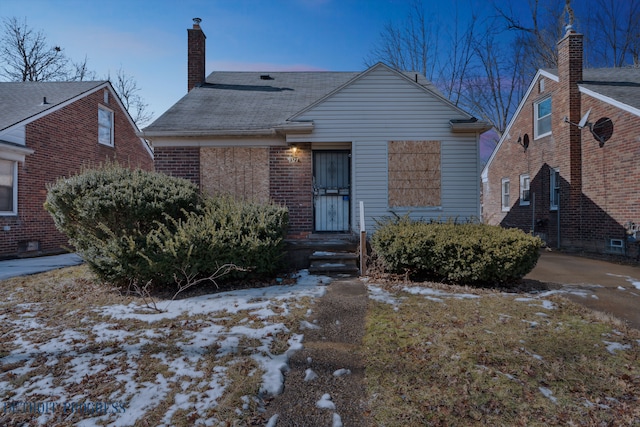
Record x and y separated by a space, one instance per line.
505 135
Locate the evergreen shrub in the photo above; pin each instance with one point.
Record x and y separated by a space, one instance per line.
139 227
468 253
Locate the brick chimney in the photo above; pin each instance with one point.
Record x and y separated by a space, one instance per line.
195 55
567 103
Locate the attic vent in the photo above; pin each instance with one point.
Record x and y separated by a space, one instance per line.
265 77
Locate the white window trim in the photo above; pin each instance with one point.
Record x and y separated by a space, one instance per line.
13 212
505 208
553 184
524 177
111 137
536 119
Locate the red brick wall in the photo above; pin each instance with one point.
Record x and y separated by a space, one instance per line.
512 160
63 142
604 179
291 184
181 162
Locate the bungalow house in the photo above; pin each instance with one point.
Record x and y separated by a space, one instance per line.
49 130
321 143
568 165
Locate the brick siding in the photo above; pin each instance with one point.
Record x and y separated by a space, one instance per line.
599 185
63 142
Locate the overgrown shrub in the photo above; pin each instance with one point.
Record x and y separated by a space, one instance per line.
227 231
461 253
133 226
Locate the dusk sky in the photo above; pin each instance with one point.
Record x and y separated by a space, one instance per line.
148 39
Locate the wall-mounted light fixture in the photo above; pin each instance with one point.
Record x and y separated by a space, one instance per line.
293 155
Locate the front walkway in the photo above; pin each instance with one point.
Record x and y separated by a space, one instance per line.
325 383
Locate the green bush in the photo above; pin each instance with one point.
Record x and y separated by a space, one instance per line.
460 253
133 226
247 235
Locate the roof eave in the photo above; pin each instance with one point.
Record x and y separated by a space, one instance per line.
205 133
289 128
469 126
13 152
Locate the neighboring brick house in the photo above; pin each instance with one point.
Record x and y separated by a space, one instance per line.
321 142
568 165
50 130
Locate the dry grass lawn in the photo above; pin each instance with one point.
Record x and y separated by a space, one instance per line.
448 358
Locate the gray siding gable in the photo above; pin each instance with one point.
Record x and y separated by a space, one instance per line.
383 105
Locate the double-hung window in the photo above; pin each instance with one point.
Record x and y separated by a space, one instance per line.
505 195
525 194
105 126
554 188
8 187
542 118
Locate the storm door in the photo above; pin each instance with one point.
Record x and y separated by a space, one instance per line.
331 190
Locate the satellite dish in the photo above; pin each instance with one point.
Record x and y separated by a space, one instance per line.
583 120
525 142
602 130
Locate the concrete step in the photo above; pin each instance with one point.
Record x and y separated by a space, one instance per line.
328 263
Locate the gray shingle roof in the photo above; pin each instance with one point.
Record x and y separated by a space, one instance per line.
233 101
245 101
621 84
22 100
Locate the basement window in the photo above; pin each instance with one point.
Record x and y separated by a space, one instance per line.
616 246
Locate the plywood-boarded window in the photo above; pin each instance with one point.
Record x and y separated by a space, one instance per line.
240 171
414 173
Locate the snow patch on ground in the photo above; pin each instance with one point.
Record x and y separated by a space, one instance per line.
325 402
98 347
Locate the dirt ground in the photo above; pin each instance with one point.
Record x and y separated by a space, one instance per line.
600 285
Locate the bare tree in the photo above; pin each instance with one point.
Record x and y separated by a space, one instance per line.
456 68
613 32
129 93
537 32
27 56
80 71
412 46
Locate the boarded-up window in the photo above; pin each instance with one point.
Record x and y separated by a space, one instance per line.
240 171
414 173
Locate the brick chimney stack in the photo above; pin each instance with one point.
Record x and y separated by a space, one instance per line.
195 55
569 137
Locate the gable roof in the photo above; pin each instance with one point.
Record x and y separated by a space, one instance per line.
22 101
619 87
241 103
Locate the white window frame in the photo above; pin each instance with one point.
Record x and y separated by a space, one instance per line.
554 188
102 125
14 183
525 190
537 120
505 195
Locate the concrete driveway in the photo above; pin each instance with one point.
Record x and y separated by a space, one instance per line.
599 285
24 266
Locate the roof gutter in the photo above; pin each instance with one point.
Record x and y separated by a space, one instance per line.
12 152
295 127
204 133
471 125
